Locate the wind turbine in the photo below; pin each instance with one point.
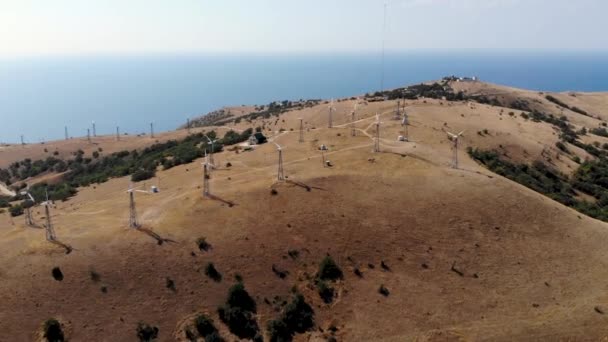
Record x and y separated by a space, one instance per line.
206 175
301 131
212 142
133 223
332 109
377 137
280 173
353 131
28 212
455 138
50 231
405 123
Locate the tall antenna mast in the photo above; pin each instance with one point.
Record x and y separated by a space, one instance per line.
280 172
66 133
331 113
377 137
383 46
50 231
301 131
94 129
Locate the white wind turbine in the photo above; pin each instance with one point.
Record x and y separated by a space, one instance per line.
212 142
280 173
206 175
353 117
332 109
455 139
28 212
377 137
50 231
133 222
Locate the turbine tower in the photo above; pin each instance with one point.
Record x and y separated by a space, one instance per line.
398 111
66 133
353 130
455 138
188 125
29 221
206 176
377 137
50 231
212 142
22 140
117 133
405 123
152 129
89 135
94 129
332 109
280 172
301 131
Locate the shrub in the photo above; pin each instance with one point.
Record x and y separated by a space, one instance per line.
383 291
146 332
16 210
203 245
53 331
297 317
325 291
238 312
212 272
142 175
601 131
204 325
329 270
561 146
57 274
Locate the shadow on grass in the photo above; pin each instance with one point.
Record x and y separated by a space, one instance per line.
68 248
219 199
159 239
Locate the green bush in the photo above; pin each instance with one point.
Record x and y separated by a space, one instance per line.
142 175
204 325
53 331
213 273
325 291
239 313
146 332
329 270
297 318
16 210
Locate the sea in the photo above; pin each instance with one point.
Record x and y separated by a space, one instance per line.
39 96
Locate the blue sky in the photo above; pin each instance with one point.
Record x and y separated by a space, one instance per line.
74 27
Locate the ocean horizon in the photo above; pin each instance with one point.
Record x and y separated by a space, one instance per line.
40 96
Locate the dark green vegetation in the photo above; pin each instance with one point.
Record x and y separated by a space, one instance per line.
146 332
206 329
53 331
223 117
239 313
141 165
213 273
591 178
328 271
433 91
297 317
562 104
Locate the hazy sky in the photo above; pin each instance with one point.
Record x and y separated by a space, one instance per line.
43 27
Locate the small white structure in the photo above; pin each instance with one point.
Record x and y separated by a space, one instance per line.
323 147
401 138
